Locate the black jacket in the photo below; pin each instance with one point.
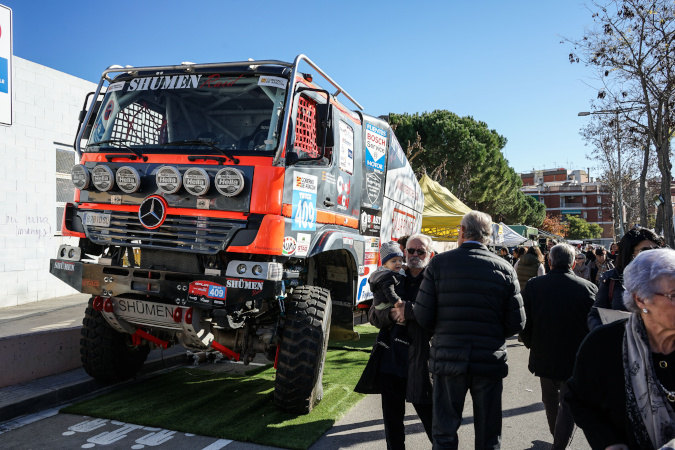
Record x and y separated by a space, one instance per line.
557 307
470 299
418 388
610 296
386 286
597 396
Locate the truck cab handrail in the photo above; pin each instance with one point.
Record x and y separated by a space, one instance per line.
190 67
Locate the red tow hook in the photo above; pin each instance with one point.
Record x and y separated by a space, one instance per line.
97 304
136 339
225 351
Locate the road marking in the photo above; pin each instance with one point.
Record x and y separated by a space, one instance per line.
220 443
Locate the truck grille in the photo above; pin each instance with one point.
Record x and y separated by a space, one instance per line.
206 235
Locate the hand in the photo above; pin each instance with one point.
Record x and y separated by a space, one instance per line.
617 447
399 308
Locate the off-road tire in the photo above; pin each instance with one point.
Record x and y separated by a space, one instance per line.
298 387
107 354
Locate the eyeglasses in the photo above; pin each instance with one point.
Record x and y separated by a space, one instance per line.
668 296
420 251
578 257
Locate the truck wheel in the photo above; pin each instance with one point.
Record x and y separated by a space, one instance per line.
107 354
298 386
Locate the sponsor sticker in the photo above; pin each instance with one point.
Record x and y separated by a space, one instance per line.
328 177
304 202
370 222
346 148
289 246
240 283
348 241
344 188
108 110
61 265
372 250
116 87
273 82
207 289
303 242
376 148
373 187
164 82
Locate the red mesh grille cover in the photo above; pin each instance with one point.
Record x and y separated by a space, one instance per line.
305 128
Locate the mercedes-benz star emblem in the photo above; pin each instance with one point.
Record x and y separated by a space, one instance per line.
152 212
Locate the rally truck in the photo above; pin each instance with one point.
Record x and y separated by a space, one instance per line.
233 207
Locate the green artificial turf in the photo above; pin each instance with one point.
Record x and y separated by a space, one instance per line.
238 407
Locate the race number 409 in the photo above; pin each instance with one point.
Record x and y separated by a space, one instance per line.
305 214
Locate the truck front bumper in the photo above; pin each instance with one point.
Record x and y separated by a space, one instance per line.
183 289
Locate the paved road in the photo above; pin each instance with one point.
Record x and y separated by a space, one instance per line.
524 425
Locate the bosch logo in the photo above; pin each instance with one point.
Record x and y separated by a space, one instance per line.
152 212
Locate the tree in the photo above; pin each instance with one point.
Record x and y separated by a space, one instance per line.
638 164
580 229
554 225
631 46
465 156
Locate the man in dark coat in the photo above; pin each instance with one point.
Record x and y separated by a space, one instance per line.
470 299
414 384
557 306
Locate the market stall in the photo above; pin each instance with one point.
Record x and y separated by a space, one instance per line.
443 211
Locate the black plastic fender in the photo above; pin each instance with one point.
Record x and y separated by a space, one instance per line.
328 240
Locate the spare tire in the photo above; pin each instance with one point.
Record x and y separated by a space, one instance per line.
298 387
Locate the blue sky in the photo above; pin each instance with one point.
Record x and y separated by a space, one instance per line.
499 61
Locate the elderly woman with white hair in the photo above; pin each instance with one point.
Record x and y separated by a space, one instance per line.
622 391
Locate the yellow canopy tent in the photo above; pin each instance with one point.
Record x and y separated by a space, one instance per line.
443 212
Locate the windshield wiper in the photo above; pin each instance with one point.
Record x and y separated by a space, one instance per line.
121 143
213 145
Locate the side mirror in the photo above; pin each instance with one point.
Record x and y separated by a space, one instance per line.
324 125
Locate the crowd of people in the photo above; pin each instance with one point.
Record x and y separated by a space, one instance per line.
599 324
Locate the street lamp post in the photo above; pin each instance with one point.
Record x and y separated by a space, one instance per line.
618 156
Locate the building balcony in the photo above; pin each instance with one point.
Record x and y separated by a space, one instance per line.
571 205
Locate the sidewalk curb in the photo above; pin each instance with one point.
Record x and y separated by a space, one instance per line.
56 390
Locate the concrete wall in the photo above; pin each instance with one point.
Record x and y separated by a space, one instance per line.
46 104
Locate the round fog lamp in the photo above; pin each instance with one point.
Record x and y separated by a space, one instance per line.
196 181
80 177
257 269
229 182
128 179
241 268
168 179
103 177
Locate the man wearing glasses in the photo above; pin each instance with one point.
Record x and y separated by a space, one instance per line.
416 387
470 299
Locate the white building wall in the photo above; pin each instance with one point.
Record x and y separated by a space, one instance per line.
46 104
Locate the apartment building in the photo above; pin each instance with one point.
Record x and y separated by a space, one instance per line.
572 192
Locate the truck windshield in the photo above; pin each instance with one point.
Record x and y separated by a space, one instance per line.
174 112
